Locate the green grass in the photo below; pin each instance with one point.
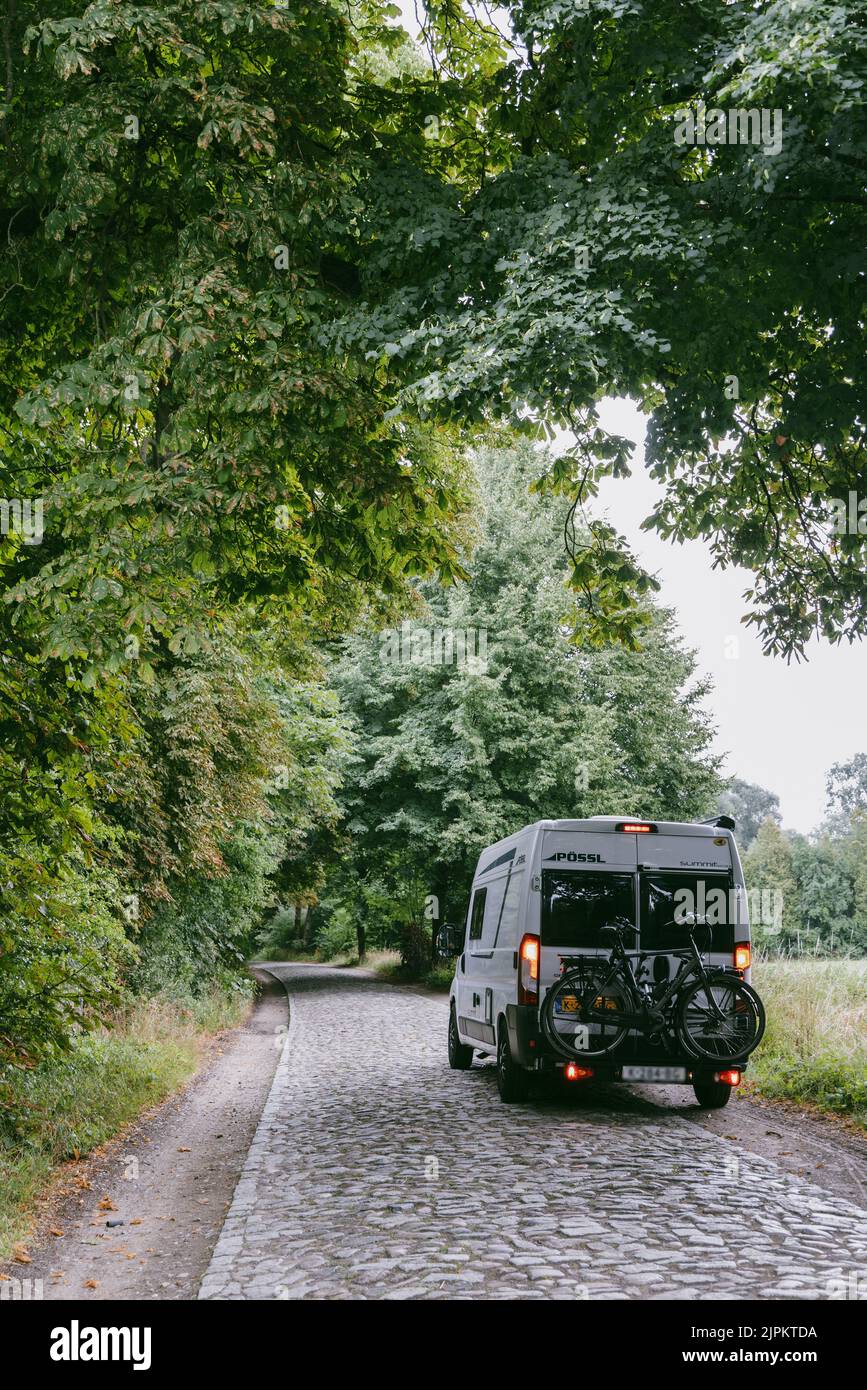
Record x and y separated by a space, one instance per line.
815 1047
387 964
67 1107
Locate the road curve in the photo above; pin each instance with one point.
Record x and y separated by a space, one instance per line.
376 1172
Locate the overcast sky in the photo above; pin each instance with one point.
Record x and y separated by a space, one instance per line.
782 726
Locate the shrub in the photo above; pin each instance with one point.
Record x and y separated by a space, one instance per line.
337 936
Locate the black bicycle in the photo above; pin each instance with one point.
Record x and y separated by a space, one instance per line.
712 1013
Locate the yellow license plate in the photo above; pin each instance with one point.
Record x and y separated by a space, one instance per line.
568 1004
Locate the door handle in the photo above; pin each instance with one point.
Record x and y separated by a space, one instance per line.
477 999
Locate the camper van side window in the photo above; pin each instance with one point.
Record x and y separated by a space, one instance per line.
478 914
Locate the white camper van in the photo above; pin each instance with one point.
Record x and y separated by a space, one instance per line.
559 896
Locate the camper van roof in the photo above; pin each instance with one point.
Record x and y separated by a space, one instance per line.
606 824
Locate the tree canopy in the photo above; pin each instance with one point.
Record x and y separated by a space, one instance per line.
512 723
559 245
257 253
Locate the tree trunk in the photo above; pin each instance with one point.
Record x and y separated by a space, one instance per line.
308 928
361 936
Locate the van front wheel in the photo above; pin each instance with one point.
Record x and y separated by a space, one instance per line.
712 1095
460 1056
512 1080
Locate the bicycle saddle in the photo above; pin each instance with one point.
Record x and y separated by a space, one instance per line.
615 931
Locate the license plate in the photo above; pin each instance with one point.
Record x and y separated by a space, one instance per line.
568 1003
653 1074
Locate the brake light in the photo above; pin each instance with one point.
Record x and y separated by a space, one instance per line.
732 1077
528 966
633 827
743 955
573 1072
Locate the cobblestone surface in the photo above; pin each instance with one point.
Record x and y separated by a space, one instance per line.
376 1172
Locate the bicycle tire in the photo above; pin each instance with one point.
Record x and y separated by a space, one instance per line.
576 982
712 1044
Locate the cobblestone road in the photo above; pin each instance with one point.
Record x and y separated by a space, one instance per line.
378 1173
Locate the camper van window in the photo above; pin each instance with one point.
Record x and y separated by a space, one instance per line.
478 914
666 896
575 905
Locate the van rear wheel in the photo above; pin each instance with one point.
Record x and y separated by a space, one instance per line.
460 1056
512 1080
712 1095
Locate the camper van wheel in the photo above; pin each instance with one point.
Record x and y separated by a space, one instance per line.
712 1095
460 1056
512 1080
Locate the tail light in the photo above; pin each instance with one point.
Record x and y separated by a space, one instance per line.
573 1072
742 956
636 827
732 1077
528 967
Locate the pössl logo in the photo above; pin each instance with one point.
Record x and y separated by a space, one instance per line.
77 1343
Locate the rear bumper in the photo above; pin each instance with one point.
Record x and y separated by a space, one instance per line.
529 1049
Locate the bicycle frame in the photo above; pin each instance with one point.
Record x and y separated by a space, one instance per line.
647 1018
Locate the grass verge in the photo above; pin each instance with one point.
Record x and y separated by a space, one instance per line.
66 1107
387 964
815 1047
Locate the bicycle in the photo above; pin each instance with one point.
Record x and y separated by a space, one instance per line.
714 1014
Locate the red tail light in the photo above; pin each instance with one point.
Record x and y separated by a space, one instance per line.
573 1072
528 968
634 827
732 1077
742 956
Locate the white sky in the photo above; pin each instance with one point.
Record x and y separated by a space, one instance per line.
781 726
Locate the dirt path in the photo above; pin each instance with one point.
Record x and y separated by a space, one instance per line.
170 1180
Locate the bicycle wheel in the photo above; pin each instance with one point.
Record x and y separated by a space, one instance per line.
729 1035
592 1036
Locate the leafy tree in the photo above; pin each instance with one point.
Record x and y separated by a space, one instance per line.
853 852
749 805
846 786
242 239
182 181
827 897
769 871
556 244
452 756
